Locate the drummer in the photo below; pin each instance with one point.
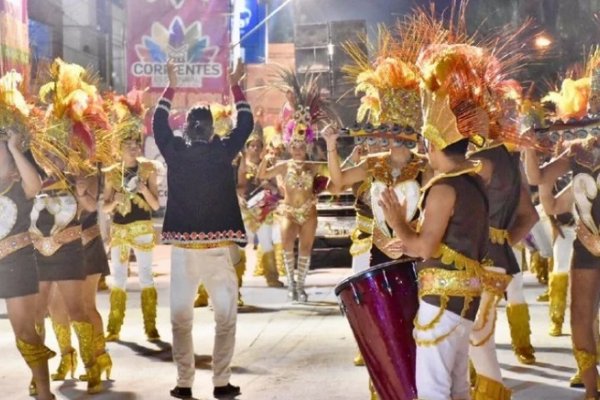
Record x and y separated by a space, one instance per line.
258 201
452 234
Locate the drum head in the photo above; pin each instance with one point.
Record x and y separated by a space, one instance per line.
256 199
374 270
408 192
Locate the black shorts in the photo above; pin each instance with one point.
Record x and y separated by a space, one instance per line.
67 264
582 258
95 258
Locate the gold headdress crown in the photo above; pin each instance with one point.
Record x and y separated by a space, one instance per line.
222 122
13 107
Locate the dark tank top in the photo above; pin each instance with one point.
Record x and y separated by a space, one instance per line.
467 232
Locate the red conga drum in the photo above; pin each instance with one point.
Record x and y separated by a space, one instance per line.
380 304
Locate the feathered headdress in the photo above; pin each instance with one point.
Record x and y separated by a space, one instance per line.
14 109
310 109
222 122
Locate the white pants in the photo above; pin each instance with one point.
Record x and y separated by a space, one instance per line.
265 237
276 233
542 234
514 290
361 262
214 268
144 263
484 357
443 369
563 250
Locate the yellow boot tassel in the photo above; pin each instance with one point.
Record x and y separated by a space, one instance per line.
518 320
149 304
102 358
34 355
585 361
259 267
270 267
118 299
278 247
372 390
359 361
240 269
488 389
68 355
85 334
559 283
201 297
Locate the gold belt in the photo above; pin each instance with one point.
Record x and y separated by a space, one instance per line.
90 234
498 236
442 282
124 236
48 245
204 246
14 243
495 282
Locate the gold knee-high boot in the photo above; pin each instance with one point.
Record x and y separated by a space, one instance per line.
85 334
518 320
259 267
488 389
118 300
278 247
240 269
201 297
559 283
68 355
102 357
289 261
270 266
149 305
303 267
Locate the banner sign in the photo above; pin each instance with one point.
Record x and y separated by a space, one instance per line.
255 43
14 38
195 33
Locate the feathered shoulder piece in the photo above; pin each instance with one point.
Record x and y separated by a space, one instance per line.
222 118
73 117
310 108
14 110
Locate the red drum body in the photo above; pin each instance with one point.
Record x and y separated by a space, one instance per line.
381 304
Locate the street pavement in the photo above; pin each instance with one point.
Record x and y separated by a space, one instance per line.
283 351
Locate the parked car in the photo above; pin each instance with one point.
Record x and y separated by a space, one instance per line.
336 220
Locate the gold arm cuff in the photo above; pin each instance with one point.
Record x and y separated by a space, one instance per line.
360 246
14 243
48 245
498 236
364 224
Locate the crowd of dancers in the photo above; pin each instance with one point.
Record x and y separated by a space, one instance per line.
447 152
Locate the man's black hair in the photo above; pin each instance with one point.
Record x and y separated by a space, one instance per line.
199 124
457 149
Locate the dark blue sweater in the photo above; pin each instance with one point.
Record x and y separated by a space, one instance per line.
202 205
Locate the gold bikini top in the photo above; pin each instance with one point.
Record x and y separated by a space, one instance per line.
298 177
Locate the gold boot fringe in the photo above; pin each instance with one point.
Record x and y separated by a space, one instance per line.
118 300
240 269
559 284
102 358
149 305
278 247
34 354
68 355
201 297
85 334
488 389
259 267
520 332
372 390
270 268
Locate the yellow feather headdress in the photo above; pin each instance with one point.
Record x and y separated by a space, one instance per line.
14 109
